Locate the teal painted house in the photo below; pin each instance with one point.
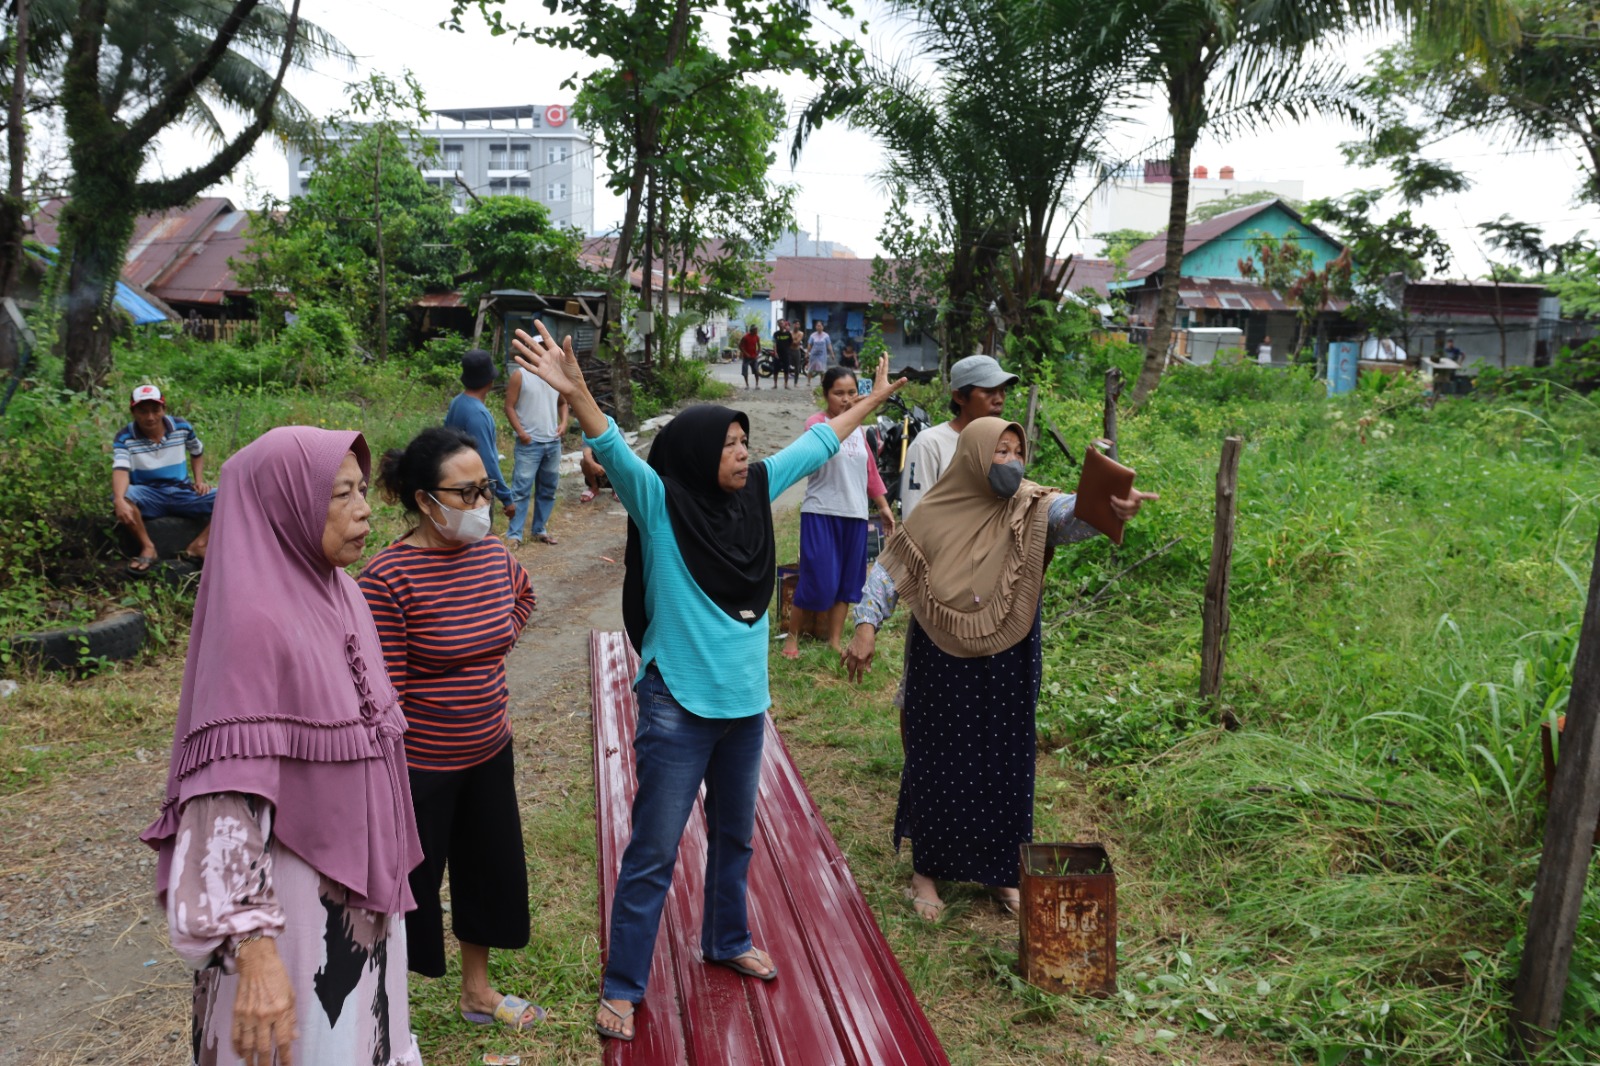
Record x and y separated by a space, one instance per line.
1213 292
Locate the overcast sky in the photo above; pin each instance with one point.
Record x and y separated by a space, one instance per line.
838 196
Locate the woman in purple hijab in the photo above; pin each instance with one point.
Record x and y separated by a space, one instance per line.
287 833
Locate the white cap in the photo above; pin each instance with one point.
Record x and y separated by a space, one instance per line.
142 393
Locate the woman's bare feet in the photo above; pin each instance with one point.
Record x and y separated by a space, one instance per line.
925 898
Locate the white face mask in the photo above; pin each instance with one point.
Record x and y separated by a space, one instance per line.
462 527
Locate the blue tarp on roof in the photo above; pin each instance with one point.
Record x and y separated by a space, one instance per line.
142 311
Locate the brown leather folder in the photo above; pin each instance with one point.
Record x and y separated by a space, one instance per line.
1101 479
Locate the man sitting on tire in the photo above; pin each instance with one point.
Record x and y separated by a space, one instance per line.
151 459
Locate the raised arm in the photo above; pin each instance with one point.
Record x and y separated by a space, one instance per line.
558 366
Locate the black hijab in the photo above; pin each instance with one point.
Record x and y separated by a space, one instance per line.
725 538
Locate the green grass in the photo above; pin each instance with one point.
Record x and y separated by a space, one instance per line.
1343 879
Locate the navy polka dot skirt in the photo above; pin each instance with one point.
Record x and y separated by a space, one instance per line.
966 792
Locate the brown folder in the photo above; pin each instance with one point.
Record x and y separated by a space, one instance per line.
1100 480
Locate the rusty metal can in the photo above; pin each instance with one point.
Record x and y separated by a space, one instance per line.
1069 918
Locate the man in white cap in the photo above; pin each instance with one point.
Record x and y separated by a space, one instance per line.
151 462
978 387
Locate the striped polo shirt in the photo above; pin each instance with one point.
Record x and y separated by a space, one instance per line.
447 617
156 462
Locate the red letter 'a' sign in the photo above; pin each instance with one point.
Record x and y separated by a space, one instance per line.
555 115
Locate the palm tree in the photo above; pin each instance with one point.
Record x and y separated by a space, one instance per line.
1024 94
1244 63
124 72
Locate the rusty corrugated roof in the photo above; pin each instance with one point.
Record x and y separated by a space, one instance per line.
1150 256
1235 294
181 255
840 997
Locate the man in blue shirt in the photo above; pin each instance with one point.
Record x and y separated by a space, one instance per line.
151 460
469 414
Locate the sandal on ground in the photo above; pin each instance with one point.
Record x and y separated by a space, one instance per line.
193 558
586 495
546 538
512 1011
142 564
738 964
609 1032
791 653
929 910
1011 904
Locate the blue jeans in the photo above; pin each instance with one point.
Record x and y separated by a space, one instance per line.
674 751
159 501
537 463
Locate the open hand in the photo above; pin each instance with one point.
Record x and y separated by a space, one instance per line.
543 357
1125 509
263 1006
857 655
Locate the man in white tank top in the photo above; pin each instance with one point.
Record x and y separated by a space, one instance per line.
538 417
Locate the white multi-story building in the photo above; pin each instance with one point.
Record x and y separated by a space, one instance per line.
1139 197
535 151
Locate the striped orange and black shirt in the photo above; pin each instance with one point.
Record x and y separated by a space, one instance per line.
447 617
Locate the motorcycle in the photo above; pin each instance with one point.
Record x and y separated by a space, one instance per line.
890 436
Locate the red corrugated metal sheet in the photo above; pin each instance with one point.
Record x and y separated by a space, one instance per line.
1093 274
840 998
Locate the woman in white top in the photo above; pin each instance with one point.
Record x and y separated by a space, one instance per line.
833 522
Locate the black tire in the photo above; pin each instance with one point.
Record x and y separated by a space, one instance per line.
117 637
170 534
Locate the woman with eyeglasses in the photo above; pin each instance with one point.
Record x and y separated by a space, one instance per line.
449 602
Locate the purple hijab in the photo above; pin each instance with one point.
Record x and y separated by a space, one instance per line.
284 691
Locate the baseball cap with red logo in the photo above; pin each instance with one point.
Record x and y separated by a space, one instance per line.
142 393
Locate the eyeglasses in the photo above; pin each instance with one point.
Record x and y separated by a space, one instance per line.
470 494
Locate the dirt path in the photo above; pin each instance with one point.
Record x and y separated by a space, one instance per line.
86 975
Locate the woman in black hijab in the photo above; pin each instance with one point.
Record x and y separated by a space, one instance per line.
700 575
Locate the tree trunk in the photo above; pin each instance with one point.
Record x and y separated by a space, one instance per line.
89 323
1184 101
12 206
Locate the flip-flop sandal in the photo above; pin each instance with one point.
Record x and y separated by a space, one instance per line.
737 965
791 654
615 1034
586 495
147 560
919 902
546 538
191 558
1008 903
512 1011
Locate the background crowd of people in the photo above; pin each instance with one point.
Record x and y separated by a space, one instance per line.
385 697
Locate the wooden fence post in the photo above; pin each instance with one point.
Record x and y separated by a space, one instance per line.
1215 619
1031 429
1568 846
1113 394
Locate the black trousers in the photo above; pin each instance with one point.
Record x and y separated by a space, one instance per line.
468 822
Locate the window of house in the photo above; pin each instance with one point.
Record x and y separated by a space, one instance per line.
557 190
557 153
497 187
497 157
454 156
519 157
521 187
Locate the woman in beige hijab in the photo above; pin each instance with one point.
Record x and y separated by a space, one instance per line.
970 564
